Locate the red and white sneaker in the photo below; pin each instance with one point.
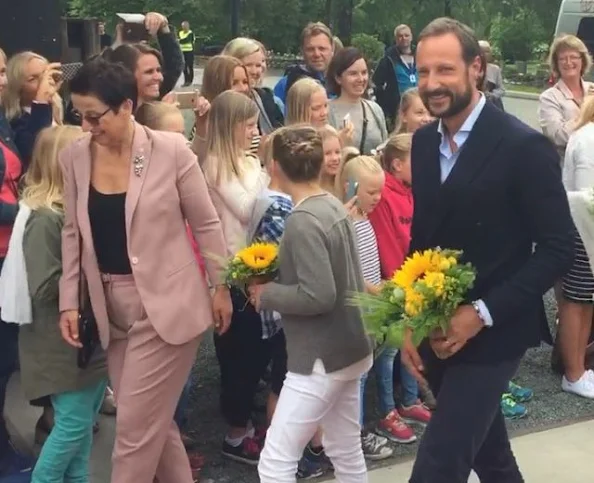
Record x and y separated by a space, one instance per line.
416 414
395 429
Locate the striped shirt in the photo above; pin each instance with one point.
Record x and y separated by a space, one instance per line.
368 252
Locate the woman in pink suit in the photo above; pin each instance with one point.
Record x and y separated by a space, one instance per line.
128 193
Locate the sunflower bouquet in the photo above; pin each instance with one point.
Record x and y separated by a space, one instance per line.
422 296
256 263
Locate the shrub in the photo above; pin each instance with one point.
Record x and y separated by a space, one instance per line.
517 36
371 48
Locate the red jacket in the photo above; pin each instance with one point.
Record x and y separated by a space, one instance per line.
196 249
391 220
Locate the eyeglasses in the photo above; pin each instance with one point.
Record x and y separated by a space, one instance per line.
569 58
92 120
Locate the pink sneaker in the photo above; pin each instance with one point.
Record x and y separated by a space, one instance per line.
393 428
416 414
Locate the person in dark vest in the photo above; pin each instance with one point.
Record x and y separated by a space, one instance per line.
395 73
186 42
317 46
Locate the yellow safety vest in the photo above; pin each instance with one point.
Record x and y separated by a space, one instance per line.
185 43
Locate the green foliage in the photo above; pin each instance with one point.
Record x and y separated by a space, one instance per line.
518 35
371 48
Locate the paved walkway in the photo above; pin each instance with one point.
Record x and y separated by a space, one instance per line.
557 455
561 455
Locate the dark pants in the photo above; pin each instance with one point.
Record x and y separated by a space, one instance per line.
8 364
467 430
188 67
181 411
243 357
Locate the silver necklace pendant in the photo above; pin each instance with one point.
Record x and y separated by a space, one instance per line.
138 164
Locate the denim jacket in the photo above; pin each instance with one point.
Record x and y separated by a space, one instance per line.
7 211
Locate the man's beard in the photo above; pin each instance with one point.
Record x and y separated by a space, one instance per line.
458 101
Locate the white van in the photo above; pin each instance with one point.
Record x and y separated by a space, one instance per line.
576 17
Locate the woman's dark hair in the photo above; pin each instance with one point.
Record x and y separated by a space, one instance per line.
111 83
341 61
299 152
128 54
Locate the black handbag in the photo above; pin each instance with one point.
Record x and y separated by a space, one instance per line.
88 334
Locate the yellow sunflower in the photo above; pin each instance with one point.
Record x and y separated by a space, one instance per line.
415 266
259 256
435 281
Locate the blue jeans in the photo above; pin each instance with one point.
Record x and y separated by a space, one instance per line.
66 453
181 411
409 385
384 374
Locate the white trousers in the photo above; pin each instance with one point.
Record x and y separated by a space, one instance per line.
305 404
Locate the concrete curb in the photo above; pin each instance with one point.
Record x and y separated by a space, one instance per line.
530 96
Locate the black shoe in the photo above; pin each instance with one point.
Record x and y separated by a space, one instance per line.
247 452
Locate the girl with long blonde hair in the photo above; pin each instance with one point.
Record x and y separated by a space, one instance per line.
31 101
576 311
236 180
307 103
49 366
412 113
333 157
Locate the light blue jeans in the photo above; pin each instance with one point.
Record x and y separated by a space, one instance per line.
384 375
65 455
409 385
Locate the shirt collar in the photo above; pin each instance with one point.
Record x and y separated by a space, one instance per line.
470 120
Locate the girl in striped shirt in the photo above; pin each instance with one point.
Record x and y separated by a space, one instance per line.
362 178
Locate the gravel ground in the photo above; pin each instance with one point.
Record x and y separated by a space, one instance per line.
550 407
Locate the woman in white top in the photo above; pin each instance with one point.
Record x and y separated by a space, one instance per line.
559 106
576 312
348 78
235 181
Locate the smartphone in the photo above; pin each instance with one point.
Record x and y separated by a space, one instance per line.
352 188
133 29
187 99
346 120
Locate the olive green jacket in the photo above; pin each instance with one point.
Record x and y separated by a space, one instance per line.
48 363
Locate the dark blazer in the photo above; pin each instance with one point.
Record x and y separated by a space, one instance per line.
27 126
503 196
8 211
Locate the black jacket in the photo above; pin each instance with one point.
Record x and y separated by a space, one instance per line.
8 211
387 92
503 196
26 128
271 109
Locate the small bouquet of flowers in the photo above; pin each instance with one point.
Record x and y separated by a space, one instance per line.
256 263
422 296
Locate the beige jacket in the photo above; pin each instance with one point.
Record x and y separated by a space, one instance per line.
558 111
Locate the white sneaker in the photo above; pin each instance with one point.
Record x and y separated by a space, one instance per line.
584 386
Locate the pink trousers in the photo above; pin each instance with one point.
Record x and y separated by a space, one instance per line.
147 375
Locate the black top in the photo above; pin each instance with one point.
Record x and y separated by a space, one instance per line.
107 214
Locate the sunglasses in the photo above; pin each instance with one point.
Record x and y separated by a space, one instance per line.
92 120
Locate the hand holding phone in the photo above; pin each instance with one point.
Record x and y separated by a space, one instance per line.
346 120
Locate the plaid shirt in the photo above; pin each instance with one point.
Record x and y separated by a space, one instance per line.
271 229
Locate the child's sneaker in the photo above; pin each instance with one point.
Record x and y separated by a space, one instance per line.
519 393
416 414
375 447
511 409
247 452
395 429
310 465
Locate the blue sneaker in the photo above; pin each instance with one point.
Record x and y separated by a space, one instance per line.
313 465
519 393
511 409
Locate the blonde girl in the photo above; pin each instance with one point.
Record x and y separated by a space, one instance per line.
161 116
333 150
31 101
412 113
307 103
48 366
235 181
3 78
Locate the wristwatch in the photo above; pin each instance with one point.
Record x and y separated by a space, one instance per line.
477 309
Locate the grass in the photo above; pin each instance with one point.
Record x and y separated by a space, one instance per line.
523 88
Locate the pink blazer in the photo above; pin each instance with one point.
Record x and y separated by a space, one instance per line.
169 190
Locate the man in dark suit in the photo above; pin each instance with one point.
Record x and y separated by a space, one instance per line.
487 184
